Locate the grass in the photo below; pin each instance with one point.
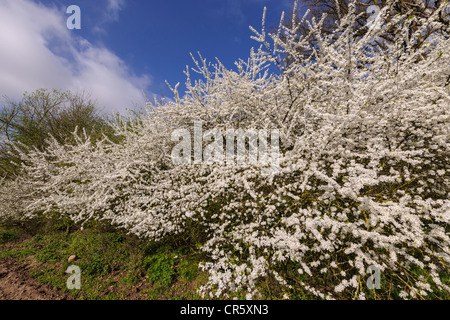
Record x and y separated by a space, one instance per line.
160 268
113 265
8 235
116 266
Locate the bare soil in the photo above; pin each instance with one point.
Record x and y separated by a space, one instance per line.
17 284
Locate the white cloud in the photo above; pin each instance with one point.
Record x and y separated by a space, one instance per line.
113 8
38 51
110 13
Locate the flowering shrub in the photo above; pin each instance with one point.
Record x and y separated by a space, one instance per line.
363 175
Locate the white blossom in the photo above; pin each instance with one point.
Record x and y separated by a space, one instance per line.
344 141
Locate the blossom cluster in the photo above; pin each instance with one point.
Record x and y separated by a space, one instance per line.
363 177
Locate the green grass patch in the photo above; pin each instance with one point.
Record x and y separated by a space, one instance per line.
113 265
17 253
160 268
8 235
188 269
119 266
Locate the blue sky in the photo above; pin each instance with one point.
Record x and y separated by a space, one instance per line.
124 46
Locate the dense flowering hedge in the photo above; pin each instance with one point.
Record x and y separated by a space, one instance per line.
363 177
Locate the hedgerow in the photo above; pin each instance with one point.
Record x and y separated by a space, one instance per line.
363 178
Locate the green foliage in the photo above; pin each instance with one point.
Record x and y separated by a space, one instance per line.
20 253
51 253
95 266
160 269
49 276
8 235
188 269
130 279
44 113
111 263
97 251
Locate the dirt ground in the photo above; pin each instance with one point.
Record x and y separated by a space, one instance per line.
16 284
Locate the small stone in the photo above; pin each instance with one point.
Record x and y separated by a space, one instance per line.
72 258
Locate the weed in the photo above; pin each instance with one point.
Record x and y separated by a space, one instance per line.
8 235
160 269
188 269
50 253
